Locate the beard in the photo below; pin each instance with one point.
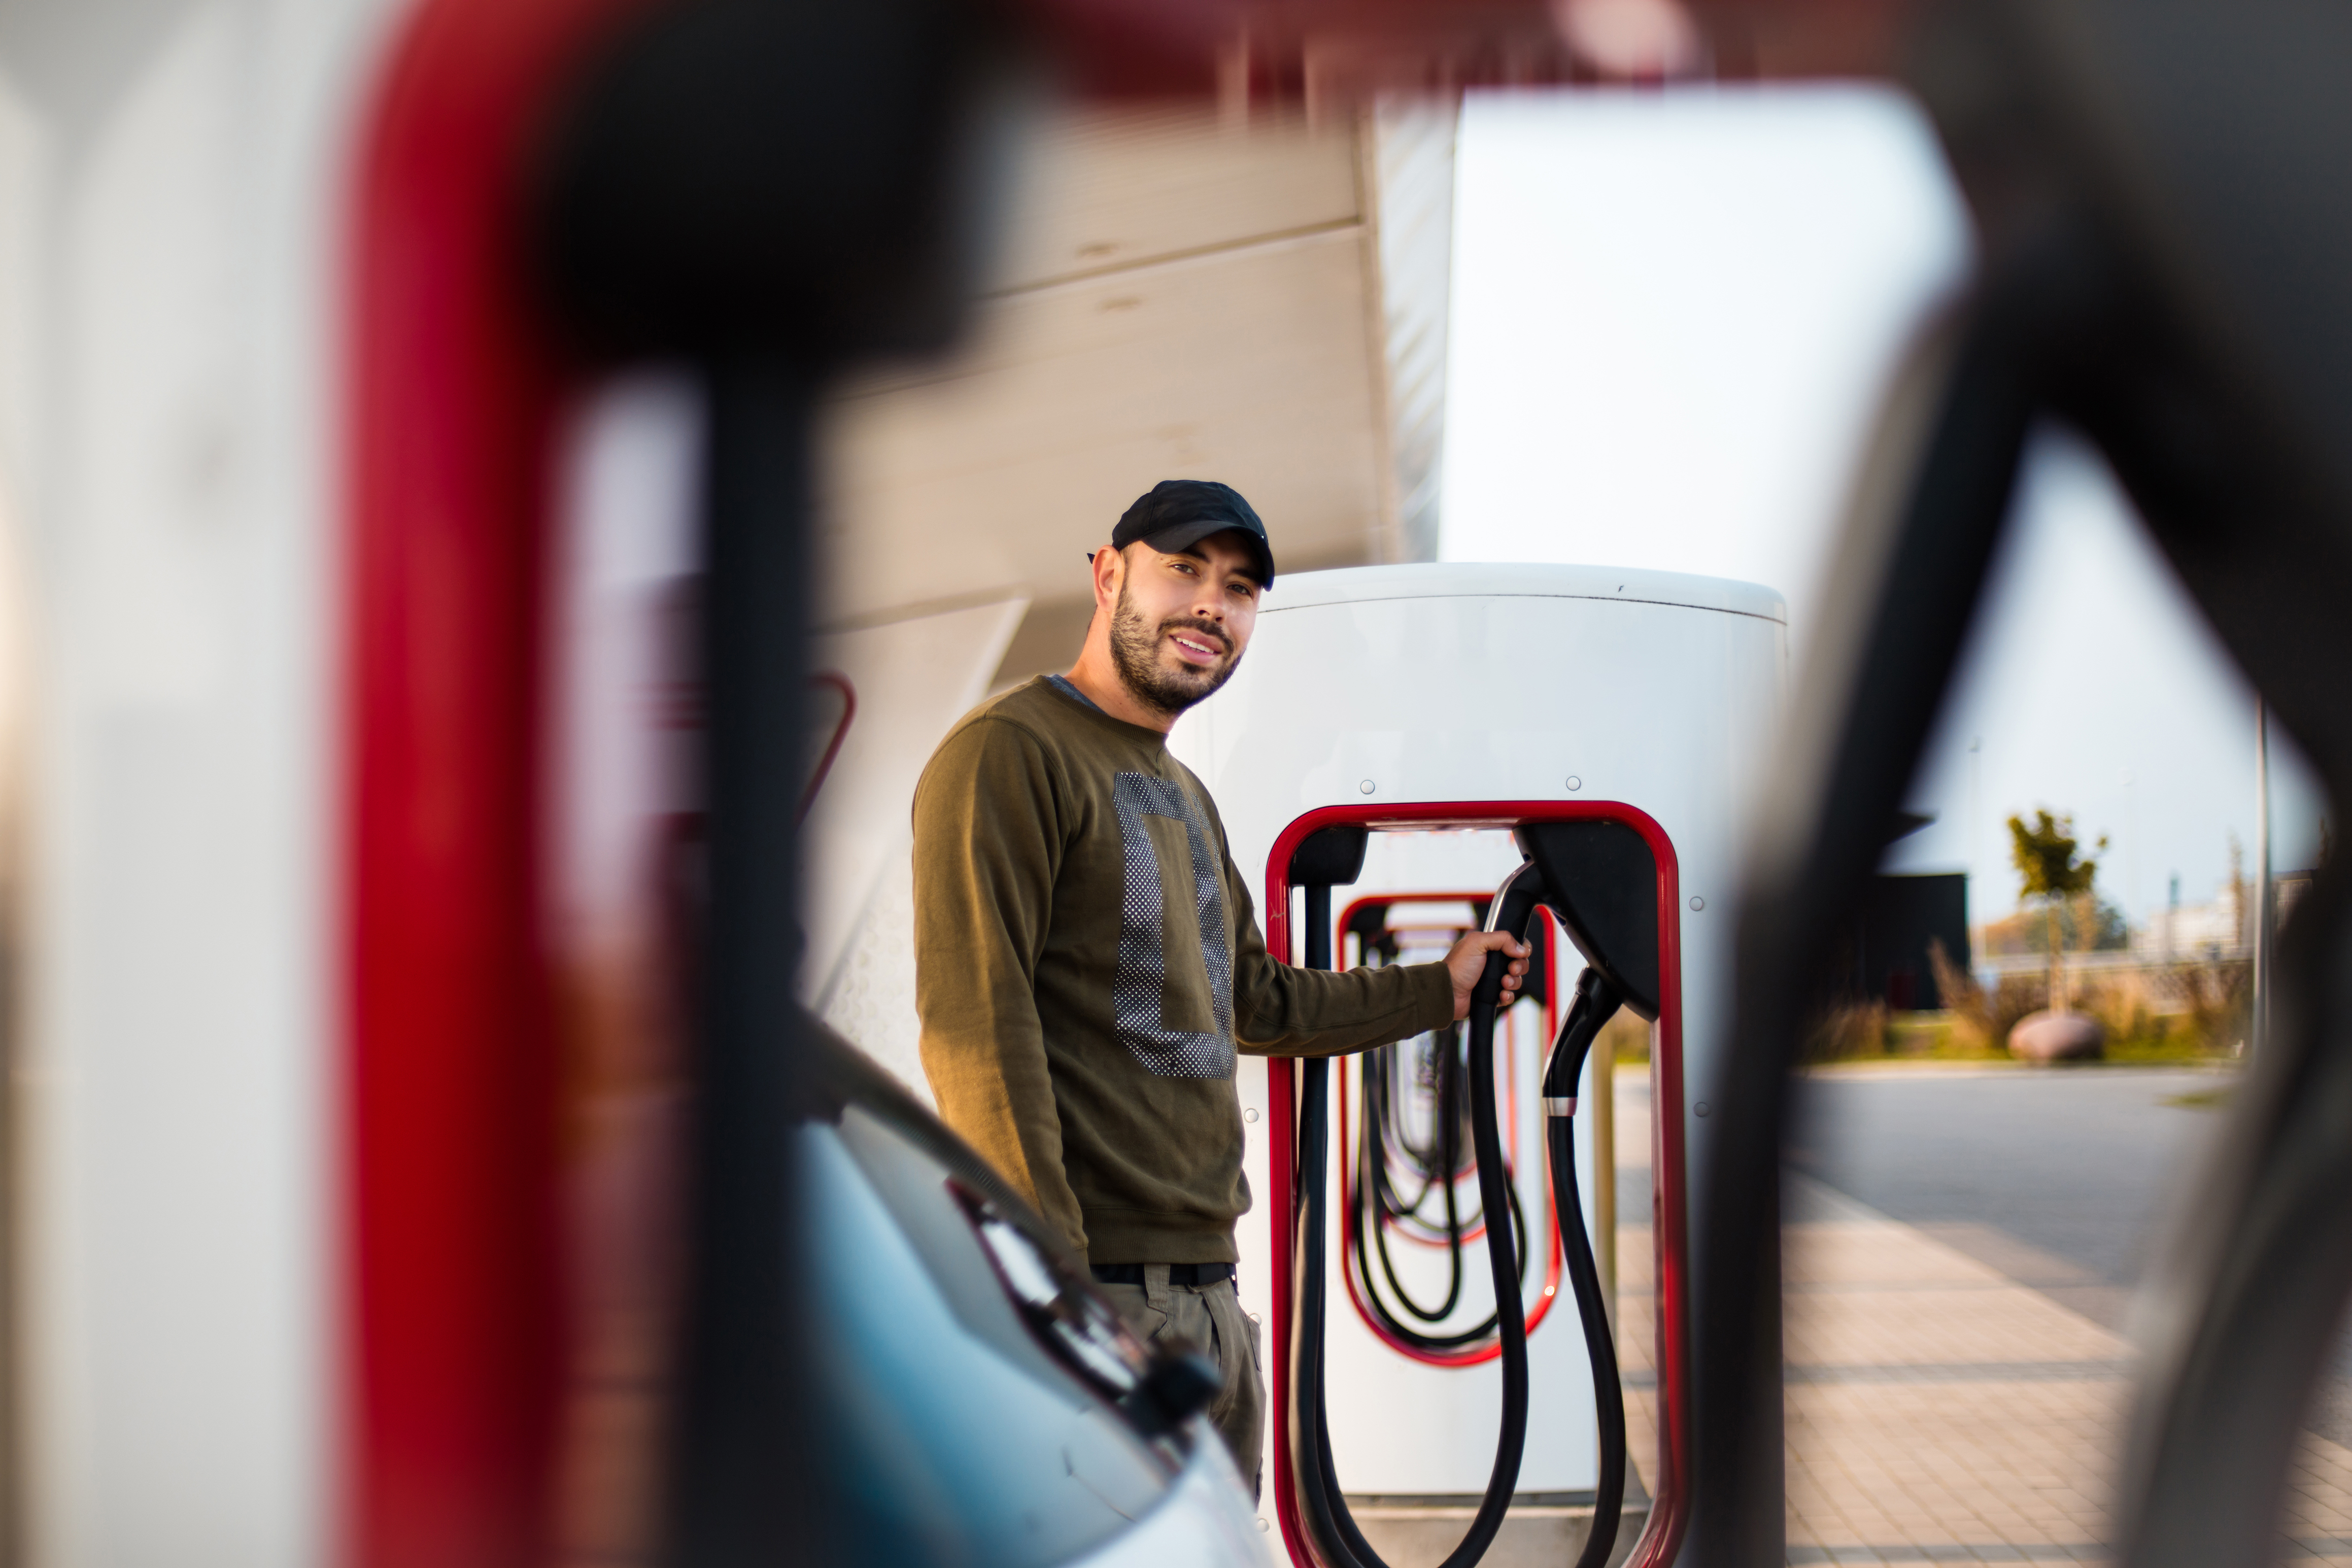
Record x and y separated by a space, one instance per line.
1135 654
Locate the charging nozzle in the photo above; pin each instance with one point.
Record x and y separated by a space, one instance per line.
1513 910
1596 1003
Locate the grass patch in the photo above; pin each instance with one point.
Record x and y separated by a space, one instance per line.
1936 1037
2180 1044
1874 1034
2202 1098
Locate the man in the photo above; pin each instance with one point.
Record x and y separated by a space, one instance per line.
1086 959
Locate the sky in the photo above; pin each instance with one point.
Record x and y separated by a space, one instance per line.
1674 314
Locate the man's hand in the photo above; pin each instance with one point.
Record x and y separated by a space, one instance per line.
1468 961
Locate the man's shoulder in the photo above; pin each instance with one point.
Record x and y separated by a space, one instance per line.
1046 723
1031 722
1028 713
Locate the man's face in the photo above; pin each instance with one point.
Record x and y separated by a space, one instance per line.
1181 621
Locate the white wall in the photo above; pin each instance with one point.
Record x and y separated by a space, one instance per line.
169 204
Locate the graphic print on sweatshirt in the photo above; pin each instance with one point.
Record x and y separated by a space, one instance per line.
1135 992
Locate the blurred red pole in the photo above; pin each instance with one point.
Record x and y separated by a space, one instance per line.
451 1340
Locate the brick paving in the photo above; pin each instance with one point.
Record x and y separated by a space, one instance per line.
1939 1411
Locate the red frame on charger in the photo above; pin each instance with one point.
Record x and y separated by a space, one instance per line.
1670 1499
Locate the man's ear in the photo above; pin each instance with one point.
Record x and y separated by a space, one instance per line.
1107 563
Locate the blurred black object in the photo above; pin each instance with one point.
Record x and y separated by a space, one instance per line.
1602 879
2162 195
780 179
768 189
1883 954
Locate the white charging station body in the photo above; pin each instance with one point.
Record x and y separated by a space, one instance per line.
1461 682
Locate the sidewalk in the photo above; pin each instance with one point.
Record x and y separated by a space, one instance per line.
1939 1410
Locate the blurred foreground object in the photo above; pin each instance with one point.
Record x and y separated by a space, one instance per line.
2163 210
1640 40
297 1110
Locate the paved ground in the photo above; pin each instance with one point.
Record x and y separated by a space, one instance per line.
2060 1179
1960 1254
1939 1412
2063 1182
1959 1262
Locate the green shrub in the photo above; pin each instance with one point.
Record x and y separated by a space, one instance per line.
1983 1022
1848 1031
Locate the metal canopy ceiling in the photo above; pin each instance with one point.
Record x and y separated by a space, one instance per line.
1179 296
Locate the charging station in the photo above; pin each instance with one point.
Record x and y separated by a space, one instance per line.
1448 745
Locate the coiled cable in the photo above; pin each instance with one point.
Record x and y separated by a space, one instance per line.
1327 1518
1378 1209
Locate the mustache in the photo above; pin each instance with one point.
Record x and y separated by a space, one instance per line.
1205 628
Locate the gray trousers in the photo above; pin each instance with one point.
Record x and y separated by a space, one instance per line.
1212 1319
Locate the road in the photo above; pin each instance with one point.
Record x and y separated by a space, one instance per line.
2060 1179
2065 1180
2082 1165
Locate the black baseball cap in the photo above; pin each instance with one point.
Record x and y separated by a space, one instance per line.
1174 513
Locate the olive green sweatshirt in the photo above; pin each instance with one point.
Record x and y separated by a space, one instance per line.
1087 963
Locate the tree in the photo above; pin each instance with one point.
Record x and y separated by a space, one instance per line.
2048 871
2238 892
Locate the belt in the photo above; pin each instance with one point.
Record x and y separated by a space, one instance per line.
1193 1274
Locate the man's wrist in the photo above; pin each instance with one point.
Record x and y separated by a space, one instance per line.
1433 996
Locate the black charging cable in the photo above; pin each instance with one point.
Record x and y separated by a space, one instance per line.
1596 1003
1336 1539
1378 1207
